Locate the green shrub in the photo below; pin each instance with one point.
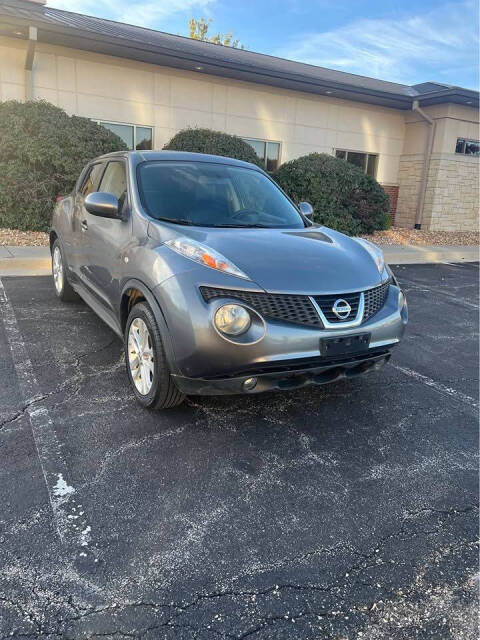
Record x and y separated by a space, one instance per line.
214 142
43 151
342 196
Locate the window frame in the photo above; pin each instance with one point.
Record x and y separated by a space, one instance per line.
367 154
465 142
86 174
131 124
126 204
266 142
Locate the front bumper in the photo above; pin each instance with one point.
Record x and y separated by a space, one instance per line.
286 376
206 362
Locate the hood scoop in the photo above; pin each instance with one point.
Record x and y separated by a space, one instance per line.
311 235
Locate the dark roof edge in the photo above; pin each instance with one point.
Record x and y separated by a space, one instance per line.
457 95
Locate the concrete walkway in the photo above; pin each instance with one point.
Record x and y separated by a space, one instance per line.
35 261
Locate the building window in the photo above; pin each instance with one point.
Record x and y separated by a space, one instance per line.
367 162
468 147
268 152
135 137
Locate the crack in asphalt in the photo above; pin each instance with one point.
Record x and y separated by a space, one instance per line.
178 609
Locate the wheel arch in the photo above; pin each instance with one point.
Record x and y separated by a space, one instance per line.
135 291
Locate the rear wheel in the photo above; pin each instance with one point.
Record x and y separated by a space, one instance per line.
63 288
147 366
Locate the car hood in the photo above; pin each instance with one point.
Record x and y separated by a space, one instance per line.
309 261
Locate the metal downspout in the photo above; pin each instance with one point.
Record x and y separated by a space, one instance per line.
32 42
426 163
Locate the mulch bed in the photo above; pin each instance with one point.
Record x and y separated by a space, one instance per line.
15 238
395 235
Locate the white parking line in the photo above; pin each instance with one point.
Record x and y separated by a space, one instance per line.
68 513
438 386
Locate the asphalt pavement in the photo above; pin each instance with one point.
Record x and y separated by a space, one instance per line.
343 511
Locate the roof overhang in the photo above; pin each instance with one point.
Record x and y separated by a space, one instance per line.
457 95
210 64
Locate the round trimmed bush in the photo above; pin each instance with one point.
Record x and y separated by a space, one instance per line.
43 152
213 142
342 196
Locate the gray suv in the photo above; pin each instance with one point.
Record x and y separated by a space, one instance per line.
216 281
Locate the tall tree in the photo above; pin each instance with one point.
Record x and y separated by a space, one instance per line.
199 31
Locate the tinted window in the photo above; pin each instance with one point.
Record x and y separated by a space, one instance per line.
92 177
213 195
143 138
367 162
467 147
114 181
472 148
268 152
123 131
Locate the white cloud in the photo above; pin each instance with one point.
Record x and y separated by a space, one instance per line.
144 14
396 49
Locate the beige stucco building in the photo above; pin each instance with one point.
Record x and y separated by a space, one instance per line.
420 142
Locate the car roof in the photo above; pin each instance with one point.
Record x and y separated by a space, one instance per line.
185 156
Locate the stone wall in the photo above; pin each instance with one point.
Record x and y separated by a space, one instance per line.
409 179
452 193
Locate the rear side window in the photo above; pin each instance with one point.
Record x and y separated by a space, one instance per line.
91 180
114 181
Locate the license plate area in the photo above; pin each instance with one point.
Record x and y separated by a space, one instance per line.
344 345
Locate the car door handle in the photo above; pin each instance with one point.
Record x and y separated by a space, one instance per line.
84 225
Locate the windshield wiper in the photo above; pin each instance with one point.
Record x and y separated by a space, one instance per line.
244 226
177 221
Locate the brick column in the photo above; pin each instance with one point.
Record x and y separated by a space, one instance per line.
392 191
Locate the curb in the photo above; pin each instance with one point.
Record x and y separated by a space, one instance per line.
35 261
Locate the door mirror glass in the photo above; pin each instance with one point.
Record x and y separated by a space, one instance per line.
102 204
307 209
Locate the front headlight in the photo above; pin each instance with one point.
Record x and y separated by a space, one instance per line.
202 254
375 252
232 319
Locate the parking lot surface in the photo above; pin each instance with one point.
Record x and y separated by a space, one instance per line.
343 511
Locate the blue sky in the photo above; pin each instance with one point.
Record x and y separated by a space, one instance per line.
407 41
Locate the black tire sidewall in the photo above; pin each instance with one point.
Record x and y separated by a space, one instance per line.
59 294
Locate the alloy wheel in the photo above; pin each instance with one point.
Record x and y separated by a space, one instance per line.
140 356
57 268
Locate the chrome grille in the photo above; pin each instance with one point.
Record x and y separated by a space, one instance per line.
289 308
326 303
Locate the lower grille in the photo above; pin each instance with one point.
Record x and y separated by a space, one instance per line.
289 308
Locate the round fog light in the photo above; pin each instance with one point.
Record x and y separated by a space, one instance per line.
249 384
232 319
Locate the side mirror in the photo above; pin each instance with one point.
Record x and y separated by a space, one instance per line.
307 209
104 205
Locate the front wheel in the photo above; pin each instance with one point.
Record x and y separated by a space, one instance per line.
63 288
147 365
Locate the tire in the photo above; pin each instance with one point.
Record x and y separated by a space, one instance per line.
63 289
147 366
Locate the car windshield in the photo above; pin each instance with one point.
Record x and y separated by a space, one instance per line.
214 195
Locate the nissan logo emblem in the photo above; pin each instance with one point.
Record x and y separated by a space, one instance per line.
341 309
